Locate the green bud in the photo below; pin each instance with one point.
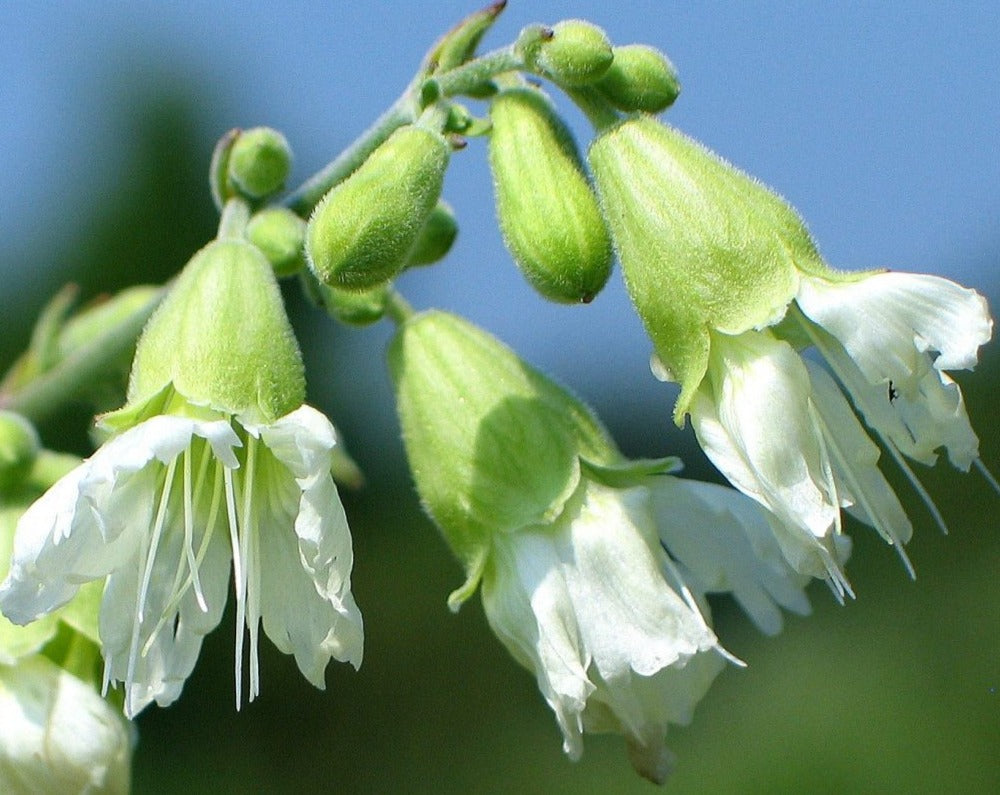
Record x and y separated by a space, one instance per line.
548 213
280 235
19 446
640 79
490 442
573 52
436 238
704 248
361 233
459 44
220 339
259 162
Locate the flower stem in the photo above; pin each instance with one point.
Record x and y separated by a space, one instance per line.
397 308
597 109
471 75
234 219
304 198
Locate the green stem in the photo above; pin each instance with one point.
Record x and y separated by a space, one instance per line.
234 219
46 394
471 75
598 110
397 308
304 198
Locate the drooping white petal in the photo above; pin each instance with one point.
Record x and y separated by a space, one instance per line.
91 520
918 417
863 488
755 422
724 543
583 603
58 735
305 548
886 321
121 515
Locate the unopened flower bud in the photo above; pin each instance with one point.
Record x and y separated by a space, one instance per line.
572 52
19 445
548 213
436 237
280 235
362 232
259 162
641 78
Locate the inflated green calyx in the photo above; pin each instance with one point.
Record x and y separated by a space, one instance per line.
492 443
221 340
19 446
363 230
703 247
548 212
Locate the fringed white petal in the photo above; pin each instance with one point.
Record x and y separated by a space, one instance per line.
724 543
886 321
584 604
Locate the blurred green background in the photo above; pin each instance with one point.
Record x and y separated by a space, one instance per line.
896 692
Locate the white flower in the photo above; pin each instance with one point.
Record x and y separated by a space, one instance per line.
584 604
780 428
57 735
723 542
160 511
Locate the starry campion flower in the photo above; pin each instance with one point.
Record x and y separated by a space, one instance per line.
731 288
592 566
214 462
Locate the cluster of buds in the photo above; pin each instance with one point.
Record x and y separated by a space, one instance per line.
593 568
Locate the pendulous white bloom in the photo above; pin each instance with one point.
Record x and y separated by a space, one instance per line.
584 604
593 567
214 462
782 431
731 289
161 511
57 735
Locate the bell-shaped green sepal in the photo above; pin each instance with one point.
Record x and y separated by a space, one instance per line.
493 445
548 212
703 247
361 233
221 340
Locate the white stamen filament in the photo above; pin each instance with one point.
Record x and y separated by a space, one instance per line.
180 587
251 571
674 574
878 521
161 513
237 581
189 533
